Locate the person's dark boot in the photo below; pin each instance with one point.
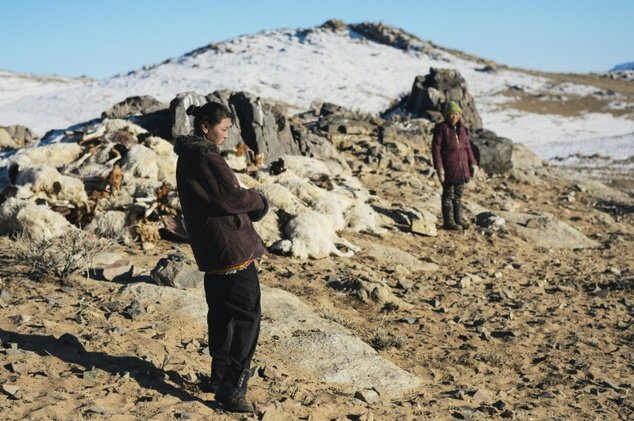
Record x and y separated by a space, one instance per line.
232 393
447 216
457 214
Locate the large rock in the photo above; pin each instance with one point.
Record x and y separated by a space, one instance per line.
134 105
431 92
262 125
315 346
494 153
547 231
392 256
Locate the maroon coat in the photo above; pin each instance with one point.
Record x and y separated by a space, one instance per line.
452 154
215 207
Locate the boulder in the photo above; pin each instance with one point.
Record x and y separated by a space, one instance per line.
134 105
392 257
546 231
493 153
177 271
523 158
317 347
425 225
431 92
262 125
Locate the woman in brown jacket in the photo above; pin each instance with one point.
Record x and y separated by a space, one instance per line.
455 164
218 216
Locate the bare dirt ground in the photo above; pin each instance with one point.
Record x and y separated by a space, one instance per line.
546 333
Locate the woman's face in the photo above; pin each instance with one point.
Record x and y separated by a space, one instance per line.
453 118
217 134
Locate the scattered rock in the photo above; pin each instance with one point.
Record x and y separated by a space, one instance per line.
12 391
176 270
273 412
426 225
367 395
134 310
120 271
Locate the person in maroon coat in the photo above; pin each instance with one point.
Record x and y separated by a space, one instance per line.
218 216
454 163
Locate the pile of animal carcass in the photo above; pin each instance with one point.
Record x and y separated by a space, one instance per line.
114 179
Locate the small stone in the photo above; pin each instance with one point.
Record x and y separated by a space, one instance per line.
183 415
410 320
484 334
507 414
4 295
134 310
367 395
90 375
271 372
19 368
499 405
603 293
12 390
502 333
482 396
508 293
614 270
404 284
465 282
118 272
20 319
273 412
97 410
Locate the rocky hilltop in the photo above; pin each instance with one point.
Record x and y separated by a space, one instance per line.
370 311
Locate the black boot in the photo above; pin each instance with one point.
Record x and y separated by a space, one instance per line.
447 216
232 392
457 214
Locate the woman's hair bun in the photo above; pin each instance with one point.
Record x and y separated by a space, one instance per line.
192 110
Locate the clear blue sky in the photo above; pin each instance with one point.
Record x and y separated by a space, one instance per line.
102 38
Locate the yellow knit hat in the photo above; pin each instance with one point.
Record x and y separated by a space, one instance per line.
451 107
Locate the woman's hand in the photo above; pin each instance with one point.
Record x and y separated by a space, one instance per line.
476 171
441 176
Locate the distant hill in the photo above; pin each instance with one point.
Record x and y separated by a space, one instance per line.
624 66
366 67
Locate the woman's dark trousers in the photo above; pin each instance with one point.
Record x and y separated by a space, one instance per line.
451 203
234 325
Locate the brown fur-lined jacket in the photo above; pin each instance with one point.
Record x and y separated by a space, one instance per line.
217 211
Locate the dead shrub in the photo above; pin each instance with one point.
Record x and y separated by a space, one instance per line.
60 257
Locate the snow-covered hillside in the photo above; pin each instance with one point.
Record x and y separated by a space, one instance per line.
300 67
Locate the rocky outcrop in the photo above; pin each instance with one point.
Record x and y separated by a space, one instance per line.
431 92
134 105
260 124
318 347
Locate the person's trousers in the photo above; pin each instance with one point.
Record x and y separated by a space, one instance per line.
452 193
233 318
